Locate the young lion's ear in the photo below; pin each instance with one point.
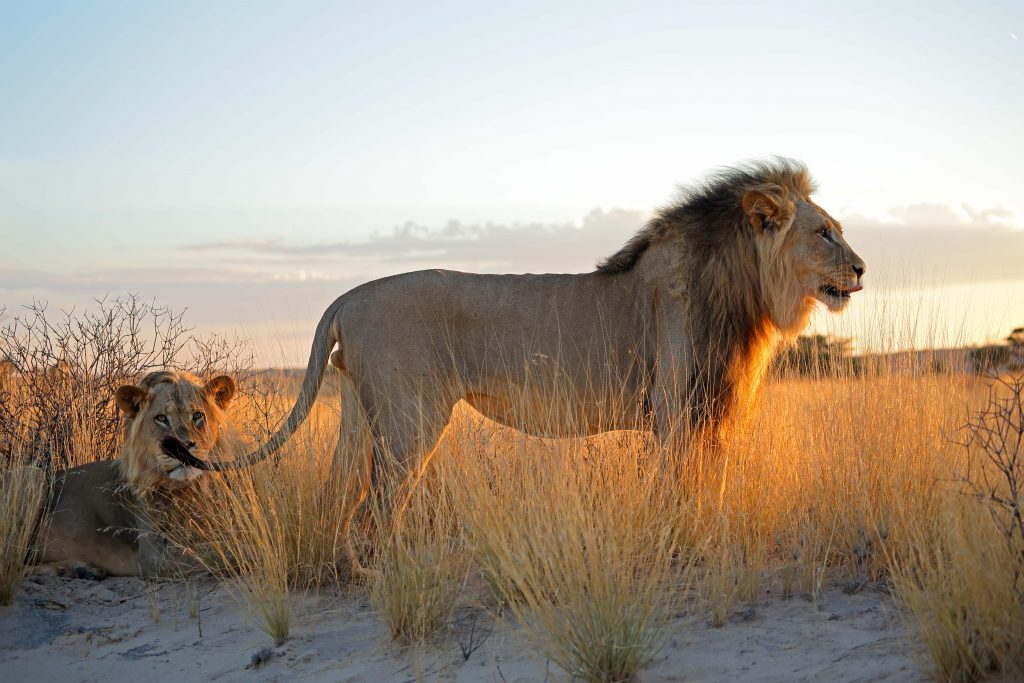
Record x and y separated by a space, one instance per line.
221 389
130 398
767 207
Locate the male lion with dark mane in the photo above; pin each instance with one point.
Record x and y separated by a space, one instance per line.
99 517
671 333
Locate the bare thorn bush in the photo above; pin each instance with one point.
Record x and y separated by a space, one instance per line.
995 474
59 371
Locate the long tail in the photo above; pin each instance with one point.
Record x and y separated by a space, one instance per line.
323 341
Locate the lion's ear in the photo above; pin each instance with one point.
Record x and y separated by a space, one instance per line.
767 207
221 389
130 398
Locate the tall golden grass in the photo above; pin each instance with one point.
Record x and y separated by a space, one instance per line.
960 573
271 530
420 565
583 539
22 493
854 481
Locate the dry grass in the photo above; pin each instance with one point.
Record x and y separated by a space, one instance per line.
956 579
580 538
420 566
853 480
734 568
271 530
22 493
960 571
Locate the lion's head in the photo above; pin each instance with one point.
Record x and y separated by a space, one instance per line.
746 254
177 405
801 250
750 241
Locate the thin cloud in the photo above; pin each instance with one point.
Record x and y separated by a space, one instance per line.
249 245
489 246
915 243
130 279
920 245
930 243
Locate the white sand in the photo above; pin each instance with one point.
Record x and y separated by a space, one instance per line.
128 630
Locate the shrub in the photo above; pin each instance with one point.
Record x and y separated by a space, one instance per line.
59 371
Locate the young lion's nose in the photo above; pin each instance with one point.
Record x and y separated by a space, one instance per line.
858 268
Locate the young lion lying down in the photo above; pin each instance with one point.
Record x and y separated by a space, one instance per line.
98 519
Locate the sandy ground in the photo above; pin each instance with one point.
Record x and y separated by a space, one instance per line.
126 629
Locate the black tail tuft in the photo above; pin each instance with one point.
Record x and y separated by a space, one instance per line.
177 450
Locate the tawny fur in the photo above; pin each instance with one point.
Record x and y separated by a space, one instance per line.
672 333
100 516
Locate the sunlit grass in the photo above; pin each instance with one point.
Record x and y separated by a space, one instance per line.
271 530
580 538
596 546
23 491
959 582
420 566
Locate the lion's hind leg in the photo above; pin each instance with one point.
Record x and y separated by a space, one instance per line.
384 446
405 438
350 474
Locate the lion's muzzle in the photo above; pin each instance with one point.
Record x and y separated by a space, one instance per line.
176 449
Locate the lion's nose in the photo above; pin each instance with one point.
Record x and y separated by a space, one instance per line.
858 268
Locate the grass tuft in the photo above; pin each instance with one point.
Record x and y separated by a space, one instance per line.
23 491
420 567
580 537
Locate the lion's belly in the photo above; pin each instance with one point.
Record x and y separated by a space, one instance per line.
545 413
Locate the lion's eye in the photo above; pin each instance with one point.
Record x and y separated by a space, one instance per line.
161 419
823 232
197 416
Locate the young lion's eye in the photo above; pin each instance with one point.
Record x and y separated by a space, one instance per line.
161 419
197 416
823 232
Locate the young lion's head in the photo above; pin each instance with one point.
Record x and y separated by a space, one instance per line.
176 405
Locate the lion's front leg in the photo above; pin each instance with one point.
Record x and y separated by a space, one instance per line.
74 570
670 417
159 558
688 439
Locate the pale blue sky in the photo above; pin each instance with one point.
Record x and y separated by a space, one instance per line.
130 132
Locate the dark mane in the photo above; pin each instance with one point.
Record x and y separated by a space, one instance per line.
710 206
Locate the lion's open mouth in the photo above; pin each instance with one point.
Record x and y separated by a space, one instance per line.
833 291
838 291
